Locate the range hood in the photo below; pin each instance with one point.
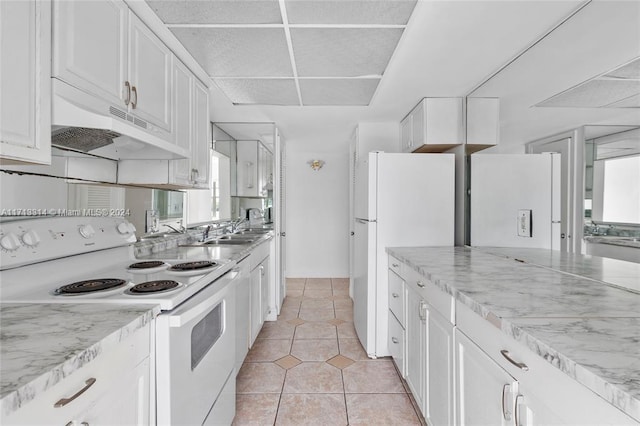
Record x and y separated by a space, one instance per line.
85 123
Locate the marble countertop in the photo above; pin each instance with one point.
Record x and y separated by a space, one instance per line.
613 240
41 344
555 304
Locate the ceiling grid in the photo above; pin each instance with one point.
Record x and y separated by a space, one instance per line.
262 52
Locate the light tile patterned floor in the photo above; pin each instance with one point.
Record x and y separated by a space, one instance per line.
308 367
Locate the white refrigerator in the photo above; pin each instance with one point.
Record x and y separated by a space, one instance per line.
400 200
507 189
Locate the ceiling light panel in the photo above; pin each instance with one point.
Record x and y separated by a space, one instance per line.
338 91
238 52
594 94
395 12
631 70
343 52
260 91
217 11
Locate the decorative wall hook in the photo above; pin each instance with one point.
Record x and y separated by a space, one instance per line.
316 164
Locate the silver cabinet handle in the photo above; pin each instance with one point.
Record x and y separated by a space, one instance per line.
521 365
516 417
135 92
506 413
127 86
422 313
394 340
395 265
420 284
65 401
395 295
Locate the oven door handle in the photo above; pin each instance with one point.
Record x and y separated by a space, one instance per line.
178 320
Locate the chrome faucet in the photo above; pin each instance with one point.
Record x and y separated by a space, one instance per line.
182 229
233 226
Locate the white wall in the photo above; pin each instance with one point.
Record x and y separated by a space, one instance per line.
32 192
317 204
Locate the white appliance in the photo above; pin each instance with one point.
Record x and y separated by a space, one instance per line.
400 200
59 260
512 190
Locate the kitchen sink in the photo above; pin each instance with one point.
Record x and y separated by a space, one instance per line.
253 231
152 237
227 242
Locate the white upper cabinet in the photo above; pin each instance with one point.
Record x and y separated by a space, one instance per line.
149 75
107 53
182 124
434 125
201 149
25 87
90 47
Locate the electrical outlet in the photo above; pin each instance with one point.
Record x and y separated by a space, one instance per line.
525 223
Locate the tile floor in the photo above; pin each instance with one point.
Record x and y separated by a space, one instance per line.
308 367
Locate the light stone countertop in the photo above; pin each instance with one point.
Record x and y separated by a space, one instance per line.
588 329
41 344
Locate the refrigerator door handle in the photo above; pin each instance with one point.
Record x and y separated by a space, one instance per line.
365 221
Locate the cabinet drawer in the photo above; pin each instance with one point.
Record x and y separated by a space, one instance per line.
396 342
442 302
395 265
397 296
568 399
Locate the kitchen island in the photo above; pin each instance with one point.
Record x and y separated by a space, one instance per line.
558 306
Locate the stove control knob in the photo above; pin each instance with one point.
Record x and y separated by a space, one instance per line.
10 242
123 228
30 238
87 231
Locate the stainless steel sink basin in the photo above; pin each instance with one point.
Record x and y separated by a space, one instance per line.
256 231
236 237
227 242
152 237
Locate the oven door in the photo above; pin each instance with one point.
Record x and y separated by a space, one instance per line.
195 353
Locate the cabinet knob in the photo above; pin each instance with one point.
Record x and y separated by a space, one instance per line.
395 265
394 340
395 295
420 284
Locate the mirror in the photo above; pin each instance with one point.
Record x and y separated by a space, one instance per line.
612 179
249 148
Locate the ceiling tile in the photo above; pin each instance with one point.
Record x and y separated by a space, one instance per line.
338 91
260 91
594 94
238 52
217 11
630 70
343 52
349 12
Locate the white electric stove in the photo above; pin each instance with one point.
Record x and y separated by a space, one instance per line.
90 260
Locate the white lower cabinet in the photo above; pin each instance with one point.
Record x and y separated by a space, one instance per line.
112 389
243 309
439 369
486 392
416 335
259 277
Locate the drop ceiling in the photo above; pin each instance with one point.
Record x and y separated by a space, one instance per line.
290 52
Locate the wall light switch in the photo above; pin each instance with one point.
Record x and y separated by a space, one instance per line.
525 223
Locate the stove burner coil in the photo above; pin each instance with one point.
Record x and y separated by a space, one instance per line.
153 286
146 265
90 286
192 266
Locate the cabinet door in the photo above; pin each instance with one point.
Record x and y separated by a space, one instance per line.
182 120
439 377
264 288
406 128
201 147
485 393
415 335
90 47
25 86
256 311
243 314
247 168
149 75
131 397
417 125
